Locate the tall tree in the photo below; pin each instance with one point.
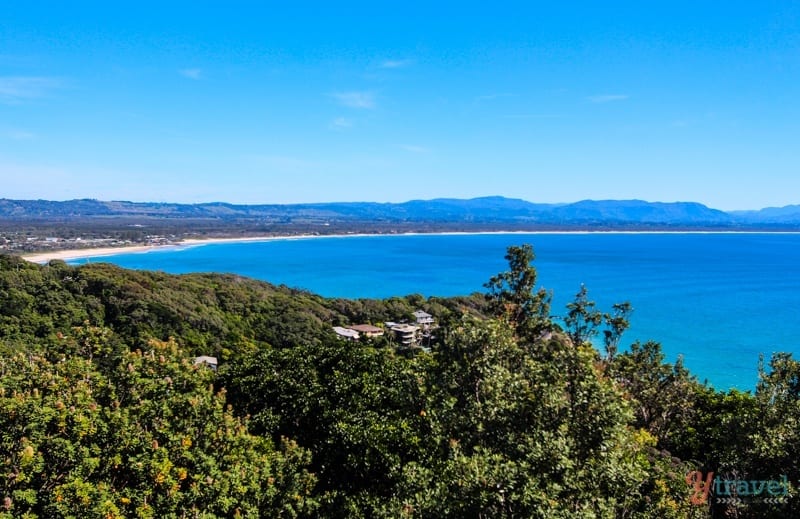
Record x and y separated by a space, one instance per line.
512 294
525 432
582 318
662 394
616 324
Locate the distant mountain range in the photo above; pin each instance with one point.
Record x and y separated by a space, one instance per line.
485 210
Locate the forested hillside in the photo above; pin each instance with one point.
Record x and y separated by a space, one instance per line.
104 414
491 209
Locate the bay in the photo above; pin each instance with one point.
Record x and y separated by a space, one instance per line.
717 300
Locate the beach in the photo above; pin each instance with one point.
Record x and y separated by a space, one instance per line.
93 252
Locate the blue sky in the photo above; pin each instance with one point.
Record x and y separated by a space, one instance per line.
256 102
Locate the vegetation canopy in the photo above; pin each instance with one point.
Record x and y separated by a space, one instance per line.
506 411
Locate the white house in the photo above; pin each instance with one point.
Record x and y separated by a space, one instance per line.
423 318
406 334
211 362
346 333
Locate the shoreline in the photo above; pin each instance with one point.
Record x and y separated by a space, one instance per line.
98 252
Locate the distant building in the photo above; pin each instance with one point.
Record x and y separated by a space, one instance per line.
405 334
211 362
367 330
346 333
423 318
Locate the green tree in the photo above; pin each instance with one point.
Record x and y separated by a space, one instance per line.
512 294
360 410
582 318
616 323
525 432
662 395
152 438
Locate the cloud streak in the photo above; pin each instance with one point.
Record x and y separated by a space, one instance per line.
17 89
534 116
492 97
195 74
17 135
607 98
361 100
341 123
397 63
415 149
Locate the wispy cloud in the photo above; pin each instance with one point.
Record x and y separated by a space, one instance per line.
341 123
363 100
415 149
534 116
607 98
16 89
492 97
17 135
397 63
192 73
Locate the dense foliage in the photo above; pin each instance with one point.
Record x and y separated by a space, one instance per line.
510 414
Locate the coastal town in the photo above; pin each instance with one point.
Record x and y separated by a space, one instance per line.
26 242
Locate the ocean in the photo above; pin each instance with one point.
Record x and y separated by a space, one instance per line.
718 300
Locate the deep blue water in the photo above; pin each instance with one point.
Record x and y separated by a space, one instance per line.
719 300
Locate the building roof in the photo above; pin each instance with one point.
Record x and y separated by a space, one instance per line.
366 328
345 332
404 328
205 359
423 317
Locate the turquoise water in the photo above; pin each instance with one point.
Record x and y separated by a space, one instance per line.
719 300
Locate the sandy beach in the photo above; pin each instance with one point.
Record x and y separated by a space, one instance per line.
72 254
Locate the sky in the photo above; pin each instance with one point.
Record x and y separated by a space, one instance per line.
265 102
